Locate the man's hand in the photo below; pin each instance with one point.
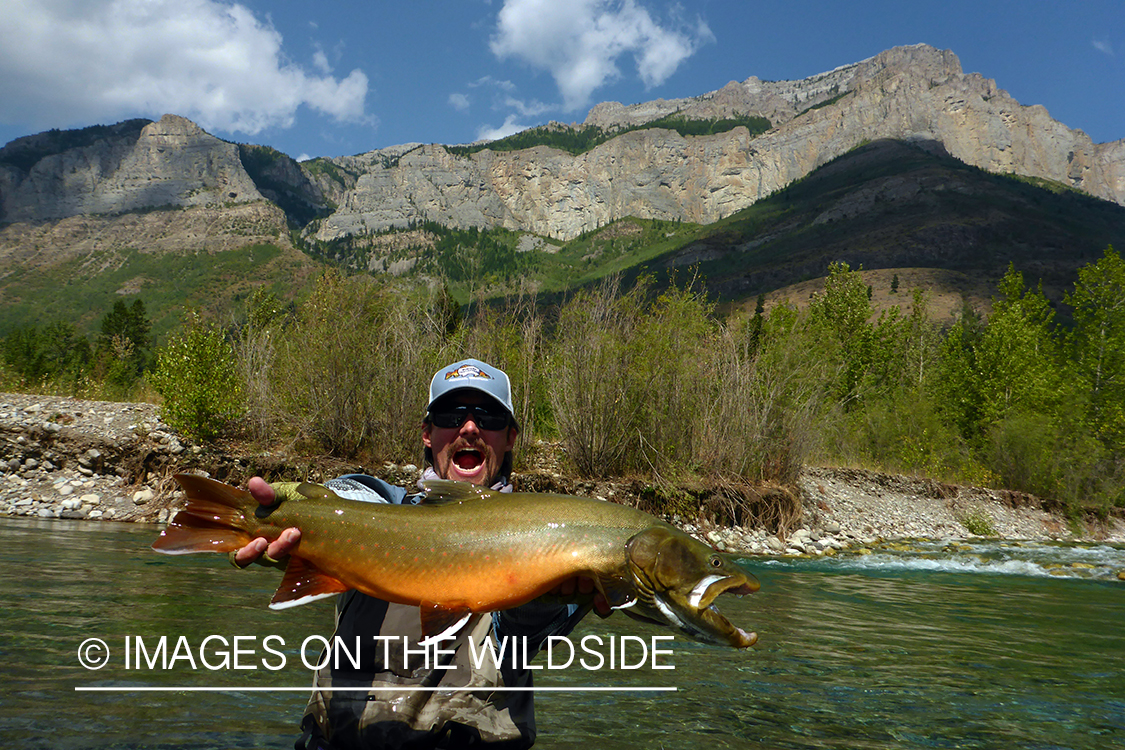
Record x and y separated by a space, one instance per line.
583 585
273 551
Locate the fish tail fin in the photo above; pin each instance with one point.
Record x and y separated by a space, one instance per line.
215 519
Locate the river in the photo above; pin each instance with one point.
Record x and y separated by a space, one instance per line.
985 645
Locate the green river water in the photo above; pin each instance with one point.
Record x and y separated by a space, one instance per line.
986 645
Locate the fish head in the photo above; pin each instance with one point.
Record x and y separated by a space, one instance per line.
677 579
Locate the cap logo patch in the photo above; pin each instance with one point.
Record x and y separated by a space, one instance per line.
467 371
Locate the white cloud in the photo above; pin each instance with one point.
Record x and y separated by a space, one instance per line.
534 108
510 127
493 82
320 62
1102 46
459 102
579 42
67 62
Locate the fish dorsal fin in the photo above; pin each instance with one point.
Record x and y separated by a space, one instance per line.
440 621
442 491
303 583
294 492
316 492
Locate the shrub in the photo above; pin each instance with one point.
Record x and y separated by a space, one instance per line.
352 370
592 366
978 522
198 378
759 420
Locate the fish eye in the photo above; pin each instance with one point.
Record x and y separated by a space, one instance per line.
716 561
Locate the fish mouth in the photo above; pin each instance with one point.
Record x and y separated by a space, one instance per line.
718 628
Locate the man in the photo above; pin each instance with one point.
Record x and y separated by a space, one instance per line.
469 433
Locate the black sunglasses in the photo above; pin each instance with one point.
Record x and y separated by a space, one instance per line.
453 417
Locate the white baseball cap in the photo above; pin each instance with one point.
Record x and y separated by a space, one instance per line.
472 374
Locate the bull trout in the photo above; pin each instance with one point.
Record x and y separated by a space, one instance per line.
469 550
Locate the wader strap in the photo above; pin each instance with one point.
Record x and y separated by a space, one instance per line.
311 738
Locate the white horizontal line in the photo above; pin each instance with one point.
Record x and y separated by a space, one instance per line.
395 688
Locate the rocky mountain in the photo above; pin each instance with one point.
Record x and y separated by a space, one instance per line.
913 93
108 199
170 163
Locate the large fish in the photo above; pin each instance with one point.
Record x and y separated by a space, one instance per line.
467 550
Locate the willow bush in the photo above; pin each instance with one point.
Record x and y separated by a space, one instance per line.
591 370
511 337
347 372
658 387
198 378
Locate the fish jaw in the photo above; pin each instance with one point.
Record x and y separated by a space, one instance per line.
678 580
702 620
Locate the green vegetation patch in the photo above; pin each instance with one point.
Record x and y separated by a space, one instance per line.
76 291
578 140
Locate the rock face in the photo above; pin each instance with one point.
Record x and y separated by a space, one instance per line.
913 93
172 162
916 94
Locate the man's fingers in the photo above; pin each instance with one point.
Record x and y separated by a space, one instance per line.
261 491
250 552
284 544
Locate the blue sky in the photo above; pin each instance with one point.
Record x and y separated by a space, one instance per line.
334 77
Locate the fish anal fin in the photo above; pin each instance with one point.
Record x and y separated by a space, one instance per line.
440 621
302 583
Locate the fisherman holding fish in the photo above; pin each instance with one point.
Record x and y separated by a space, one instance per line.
459 569
469 433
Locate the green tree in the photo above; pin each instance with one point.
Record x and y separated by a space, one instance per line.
1017 358
866 350
1097 343
198 377
124 344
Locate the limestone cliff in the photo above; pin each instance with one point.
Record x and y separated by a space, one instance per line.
170 163
915 93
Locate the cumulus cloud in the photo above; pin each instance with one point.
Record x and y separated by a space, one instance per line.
510 127
66 62
580 41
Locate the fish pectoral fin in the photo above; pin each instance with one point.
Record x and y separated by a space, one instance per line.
618 594
315 491
440 621
302 583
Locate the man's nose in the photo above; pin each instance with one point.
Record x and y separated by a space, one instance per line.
470 426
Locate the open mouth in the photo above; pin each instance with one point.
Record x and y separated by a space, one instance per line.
718 625
468 460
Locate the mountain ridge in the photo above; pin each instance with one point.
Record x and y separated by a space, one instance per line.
97 197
